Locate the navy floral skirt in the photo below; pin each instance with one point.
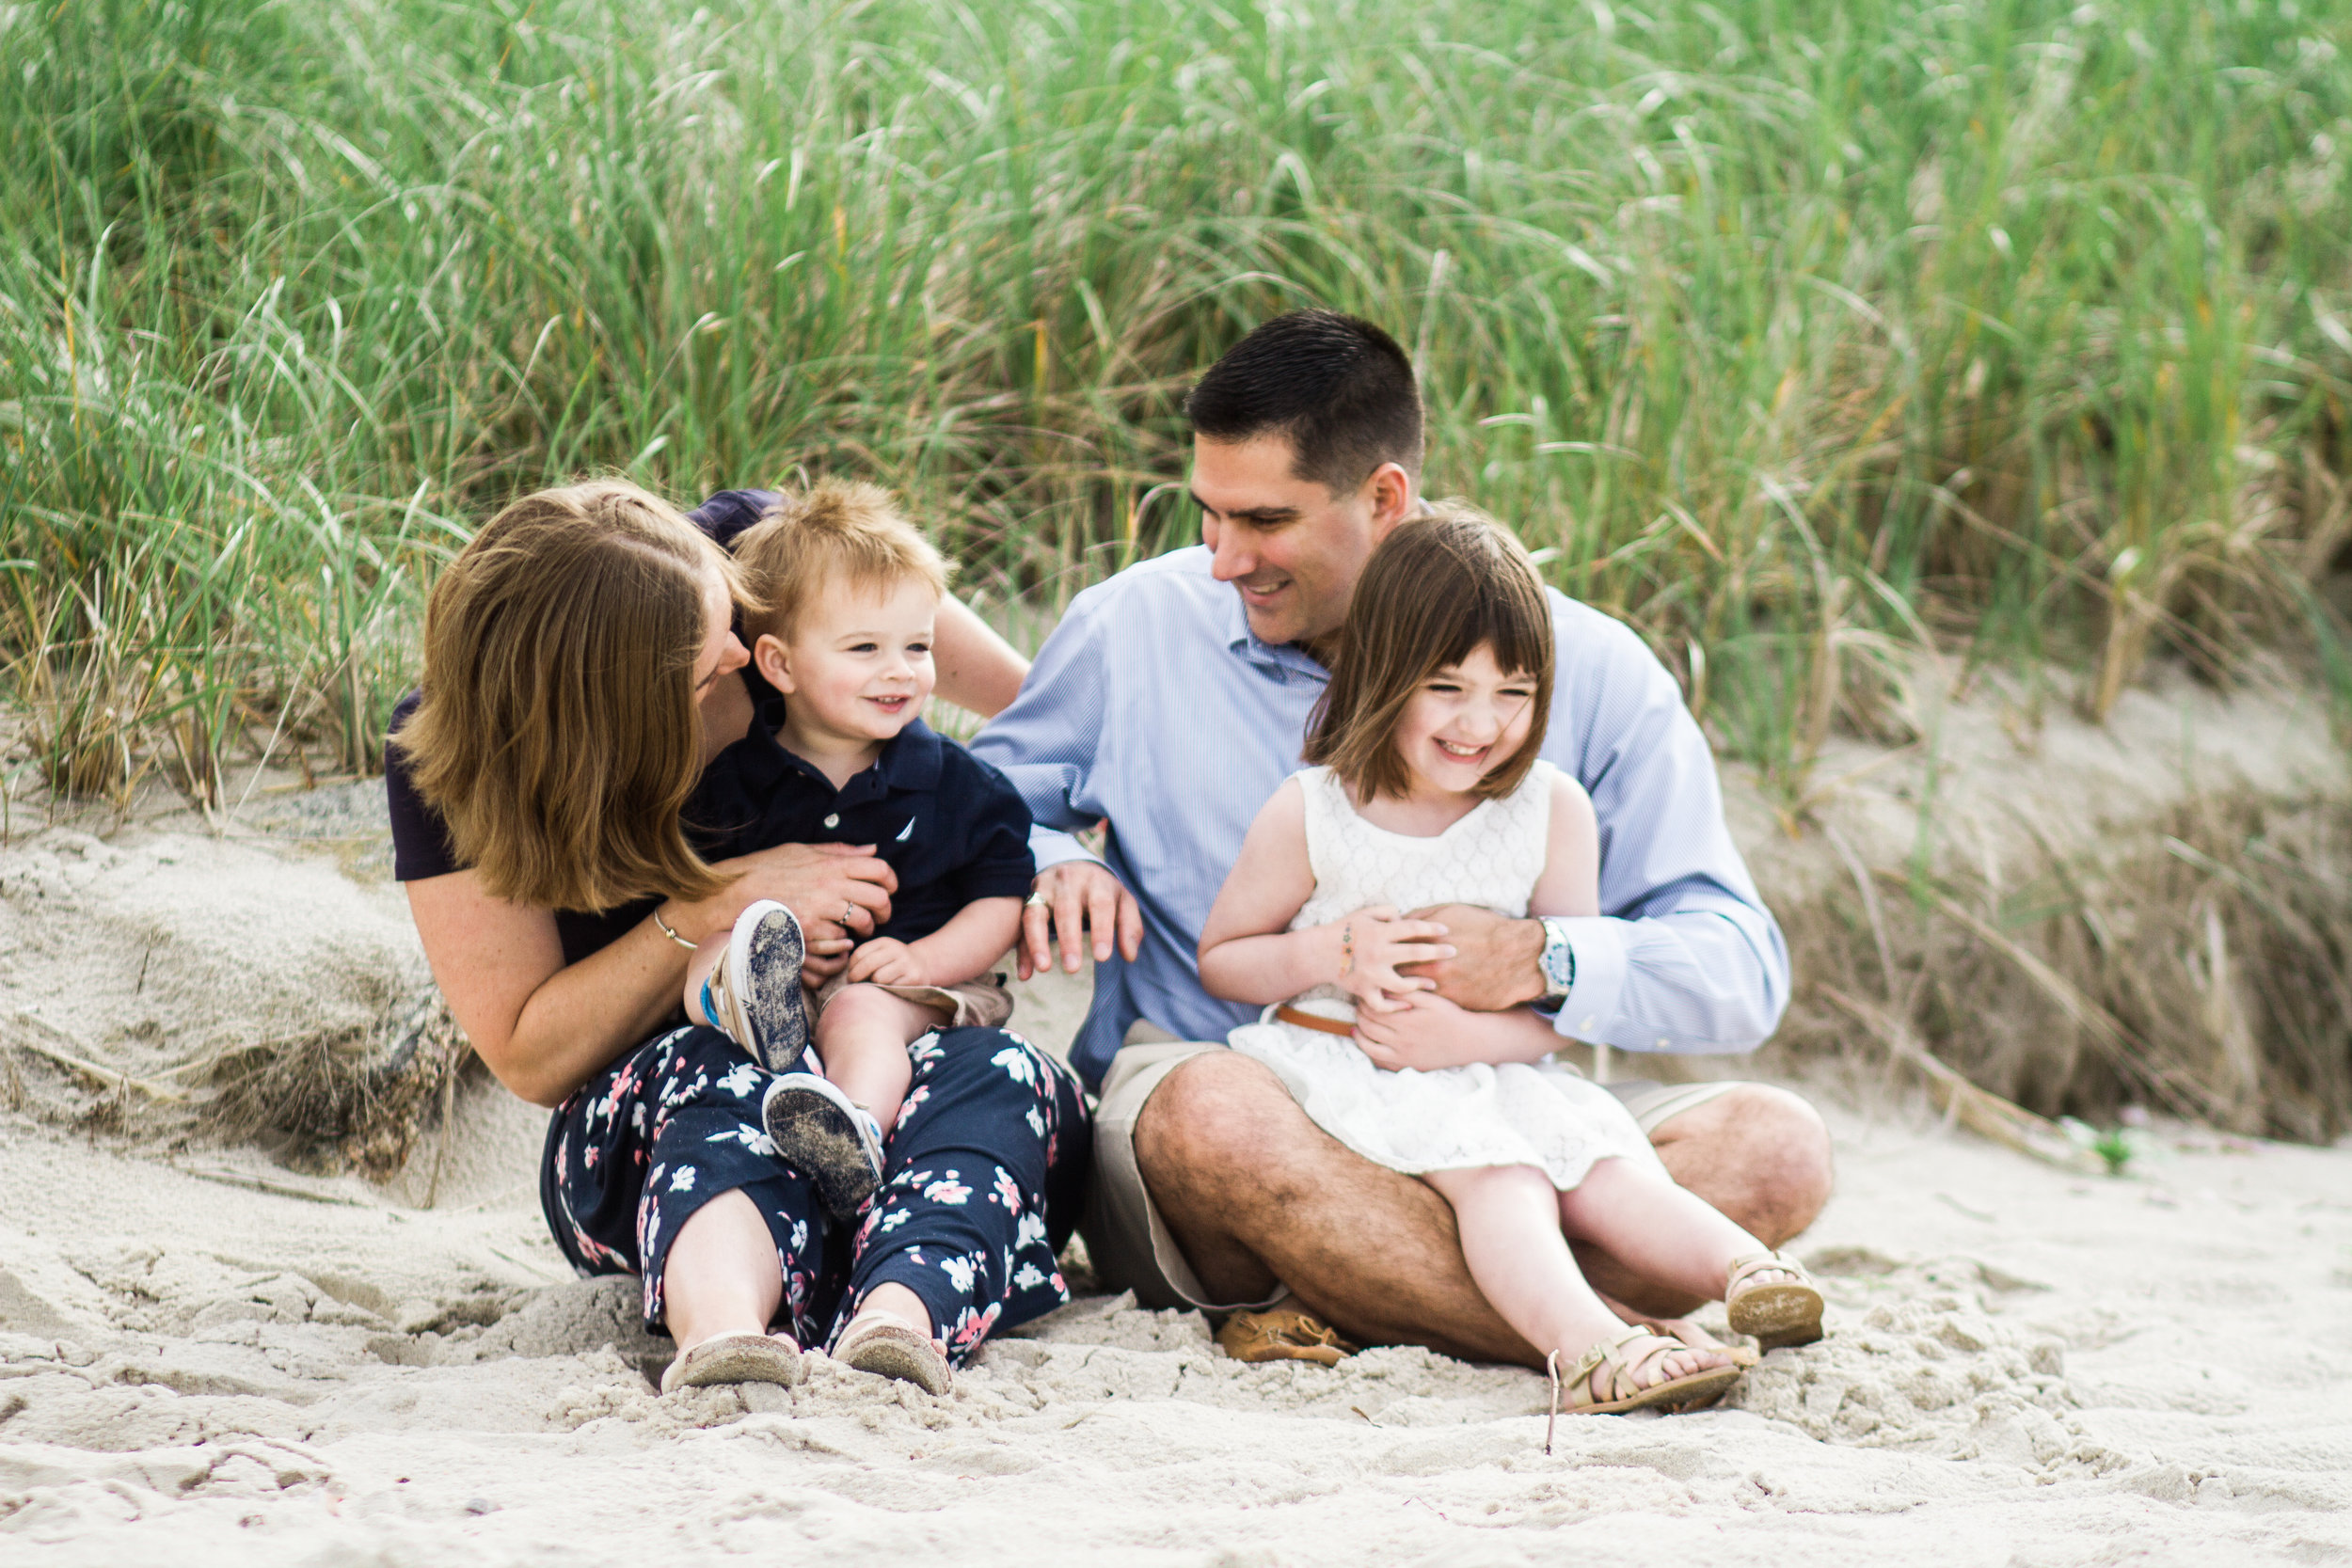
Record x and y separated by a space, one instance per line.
986 1169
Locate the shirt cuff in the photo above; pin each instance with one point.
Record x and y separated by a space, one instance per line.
1594 1001
1051 847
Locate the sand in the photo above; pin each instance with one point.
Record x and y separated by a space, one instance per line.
2026 1367
209 1356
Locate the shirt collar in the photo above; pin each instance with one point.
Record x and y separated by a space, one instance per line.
909 760
1284 659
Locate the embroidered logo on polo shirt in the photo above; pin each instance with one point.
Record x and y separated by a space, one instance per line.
904 832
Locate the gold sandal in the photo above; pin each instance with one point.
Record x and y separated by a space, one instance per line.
1283 1334
1779 1312
1627 1392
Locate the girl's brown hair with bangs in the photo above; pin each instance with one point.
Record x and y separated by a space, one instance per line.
1440 587
559 734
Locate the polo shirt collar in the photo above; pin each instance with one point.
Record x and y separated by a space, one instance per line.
909 760
1285 660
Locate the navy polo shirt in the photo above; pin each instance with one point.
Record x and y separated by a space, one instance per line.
953 827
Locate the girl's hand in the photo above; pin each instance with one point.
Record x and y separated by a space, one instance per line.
887 961
1426 1032
1371 944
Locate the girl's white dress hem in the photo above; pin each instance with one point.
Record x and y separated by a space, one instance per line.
1543 1114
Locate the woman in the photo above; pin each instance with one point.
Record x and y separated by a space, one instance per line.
580 676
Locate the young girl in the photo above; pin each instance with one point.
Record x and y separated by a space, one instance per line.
1429 791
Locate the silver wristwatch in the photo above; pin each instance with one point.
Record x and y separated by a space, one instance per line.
1558 964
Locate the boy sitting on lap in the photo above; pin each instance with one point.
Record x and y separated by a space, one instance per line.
853 590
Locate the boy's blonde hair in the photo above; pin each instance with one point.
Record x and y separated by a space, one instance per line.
838 531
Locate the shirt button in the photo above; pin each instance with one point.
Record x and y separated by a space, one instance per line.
1588 1022
834 822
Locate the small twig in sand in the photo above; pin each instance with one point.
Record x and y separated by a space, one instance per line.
264 1185
1977 1214
441 1145
107 1077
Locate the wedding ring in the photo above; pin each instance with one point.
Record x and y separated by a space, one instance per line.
849 913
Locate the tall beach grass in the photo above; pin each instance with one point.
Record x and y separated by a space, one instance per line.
1801 333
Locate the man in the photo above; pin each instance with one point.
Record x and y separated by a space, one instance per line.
1172 700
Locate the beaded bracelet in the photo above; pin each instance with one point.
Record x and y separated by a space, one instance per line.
1348 949
669 931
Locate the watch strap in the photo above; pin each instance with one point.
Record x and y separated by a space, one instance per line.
1558 962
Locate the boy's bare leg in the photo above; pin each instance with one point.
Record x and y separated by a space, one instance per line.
862 1039
1255 1192
699 963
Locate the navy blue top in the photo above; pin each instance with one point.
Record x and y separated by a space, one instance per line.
953 827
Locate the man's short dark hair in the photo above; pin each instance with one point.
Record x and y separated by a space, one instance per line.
1336 387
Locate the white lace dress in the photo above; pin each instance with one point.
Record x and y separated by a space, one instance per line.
1546 1114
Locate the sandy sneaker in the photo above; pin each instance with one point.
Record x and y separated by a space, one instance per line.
826 1137
753 991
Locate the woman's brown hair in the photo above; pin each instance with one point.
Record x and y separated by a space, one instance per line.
559 733
1438 588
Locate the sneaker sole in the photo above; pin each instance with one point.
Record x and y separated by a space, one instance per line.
826 1144
775 1010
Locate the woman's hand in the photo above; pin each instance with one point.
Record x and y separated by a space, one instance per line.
1426 1032
1371 944
838 893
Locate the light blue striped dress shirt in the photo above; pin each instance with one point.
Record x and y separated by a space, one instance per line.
1152 706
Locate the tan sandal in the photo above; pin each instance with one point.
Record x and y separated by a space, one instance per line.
735 1358
1777 1312
887 1345
1626 1389
1283 1334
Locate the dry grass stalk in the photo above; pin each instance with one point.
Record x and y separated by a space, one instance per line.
2198 964
363 1098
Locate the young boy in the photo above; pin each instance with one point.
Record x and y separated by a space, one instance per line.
853 590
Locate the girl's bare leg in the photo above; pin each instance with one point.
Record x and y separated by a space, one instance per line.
1510 1217
1663 1233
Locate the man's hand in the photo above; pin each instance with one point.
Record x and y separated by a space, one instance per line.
1070 900
887 961
1497 962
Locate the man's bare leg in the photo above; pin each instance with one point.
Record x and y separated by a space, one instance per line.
1254 1191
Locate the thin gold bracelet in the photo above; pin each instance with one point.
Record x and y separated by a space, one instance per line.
668 931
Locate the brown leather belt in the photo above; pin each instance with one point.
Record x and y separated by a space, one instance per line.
1288 1014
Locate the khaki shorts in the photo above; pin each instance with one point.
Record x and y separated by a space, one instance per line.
974 1005
1127 1240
